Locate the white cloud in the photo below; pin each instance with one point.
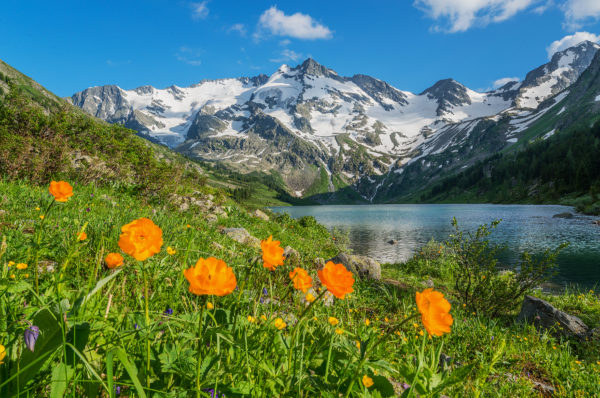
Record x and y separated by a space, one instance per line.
570 41
199 10
287 55
579 12
460 15
501 82
189 55
298 25
238 27
285 42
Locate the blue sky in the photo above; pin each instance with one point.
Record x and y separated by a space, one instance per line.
70 45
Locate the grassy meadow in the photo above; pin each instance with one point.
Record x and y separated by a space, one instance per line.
263 339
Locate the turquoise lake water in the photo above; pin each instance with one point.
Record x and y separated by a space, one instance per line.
523 227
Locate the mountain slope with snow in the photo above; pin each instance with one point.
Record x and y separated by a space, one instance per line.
321 131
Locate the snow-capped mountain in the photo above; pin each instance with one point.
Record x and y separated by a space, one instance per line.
322 131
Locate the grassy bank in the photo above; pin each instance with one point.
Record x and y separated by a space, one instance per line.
94 335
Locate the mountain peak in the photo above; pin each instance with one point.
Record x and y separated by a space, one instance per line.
312 67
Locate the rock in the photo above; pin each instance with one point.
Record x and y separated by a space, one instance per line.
291 255
392 241
545 316
218 246
319 263
596 222
259 214
429 283
361 266
563 215
211 218
242 236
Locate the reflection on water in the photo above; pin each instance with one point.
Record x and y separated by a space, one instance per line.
523 227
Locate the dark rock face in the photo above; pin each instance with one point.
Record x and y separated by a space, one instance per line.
361 266
378 90
448 93
545 316
204 126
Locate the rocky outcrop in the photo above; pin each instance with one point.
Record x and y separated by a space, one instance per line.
362 266
242 236
545 316
566 214
260 214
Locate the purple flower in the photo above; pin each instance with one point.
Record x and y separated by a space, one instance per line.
405 386
118 390
31 335
168 312
265 291
135 326
212 393
492 338
88 209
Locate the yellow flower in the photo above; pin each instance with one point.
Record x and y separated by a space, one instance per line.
367 381
41 217
578 362
188 226
251 319
386 319
12 276
37 209
21 266
310 298
357 344
209 305
339 331
171 251
279 323
554 347
333 321
26 275
2 354
263 317
421 333
11 263
367 322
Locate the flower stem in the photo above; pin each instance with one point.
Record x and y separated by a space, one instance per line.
329 356
147 315
199 347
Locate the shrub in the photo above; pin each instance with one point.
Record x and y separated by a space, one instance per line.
480 285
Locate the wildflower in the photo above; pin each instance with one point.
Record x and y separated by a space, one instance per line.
209 305
263 317
10 264
113 260
333 321
554 347
339 331
211 277
21 266
367 322
26 276
367 381
81 236
141 239
434 309
168 312
2 354
310 298
171 251
265 292
41 217
421 333
251 319
61 190
337 279
31 335
279 323
357 344
188 226
386 319
302 281
578 362
272 253
37 209
12 276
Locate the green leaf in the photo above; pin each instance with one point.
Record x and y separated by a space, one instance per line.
84 298
131 370
60 379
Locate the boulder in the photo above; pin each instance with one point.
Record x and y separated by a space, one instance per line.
392 241
242 236
596 222
429 283
361 266
566 214
545 316
211 218
259 214
291 255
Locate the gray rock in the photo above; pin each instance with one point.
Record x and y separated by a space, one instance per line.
566 214
361 266
545 316
259 214
211 218
596 222
242 236
429 283
392 241
291 255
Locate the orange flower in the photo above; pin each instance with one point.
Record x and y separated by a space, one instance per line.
211 276
434 309
113 260
272 253
337 279
61 190
367 381
82 236
141 239
302 281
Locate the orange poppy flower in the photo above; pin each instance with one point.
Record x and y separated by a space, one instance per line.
61 190
82 236
113 260
337 279
302 281
211 276
434 309
272 253
141 239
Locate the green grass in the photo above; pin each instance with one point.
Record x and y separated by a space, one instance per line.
239 358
